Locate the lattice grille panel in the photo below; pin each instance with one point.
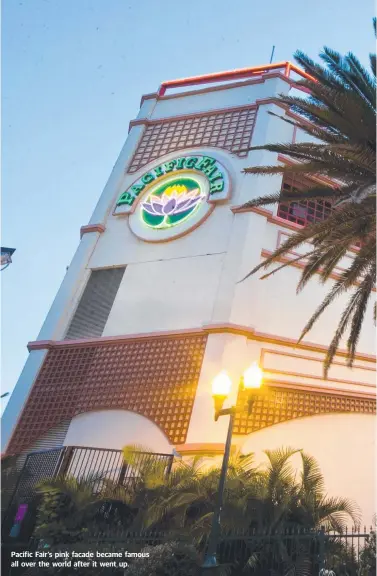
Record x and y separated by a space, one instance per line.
154 377
275 405
228 130
303 212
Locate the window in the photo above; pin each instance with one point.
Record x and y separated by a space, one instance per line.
305 211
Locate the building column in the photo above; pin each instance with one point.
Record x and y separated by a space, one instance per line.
227 352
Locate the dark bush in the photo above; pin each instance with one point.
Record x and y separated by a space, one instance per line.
170 559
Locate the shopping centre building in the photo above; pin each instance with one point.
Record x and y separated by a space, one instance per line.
154 305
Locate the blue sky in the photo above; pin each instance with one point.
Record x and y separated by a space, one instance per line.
73 73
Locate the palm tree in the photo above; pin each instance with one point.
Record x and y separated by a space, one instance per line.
285 502
183 499
290 502
267 498
340 113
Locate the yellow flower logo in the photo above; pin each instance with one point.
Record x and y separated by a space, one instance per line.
169 205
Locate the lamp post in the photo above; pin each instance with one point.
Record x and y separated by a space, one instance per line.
221 386
6 257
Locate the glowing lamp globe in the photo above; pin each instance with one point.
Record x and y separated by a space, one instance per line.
221 385
253 377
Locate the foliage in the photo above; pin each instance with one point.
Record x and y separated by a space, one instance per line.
268 499
10 473
340 115
71 509
169 559
185 499
368 556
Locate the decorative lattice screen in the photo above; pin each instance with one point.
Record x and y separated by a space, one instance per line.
155 377
228 130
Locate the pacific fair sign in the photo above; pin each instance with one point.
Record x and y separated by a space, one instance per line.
177 194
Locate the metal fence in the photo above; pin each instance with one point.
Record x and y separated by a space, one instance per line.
95 465
280 554
298 551
294 553
10 473
21 489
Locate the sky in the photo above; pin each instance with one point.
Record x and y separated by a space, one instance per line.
73 73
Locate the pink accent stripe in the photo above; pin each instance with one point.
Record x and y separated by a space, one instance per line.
265 351
92 228
153 121
203 447
256 209
268 214
230 86
315 377
277 339
276 220
321 179
226 328
233 74
48 344
332 391
301 264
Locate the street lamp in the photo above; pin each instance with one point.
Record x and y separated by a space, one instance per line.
6 257
250 381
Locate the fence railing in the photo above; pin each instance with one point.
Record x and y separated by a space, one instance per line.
311 552
10 473
316 551
295 552
96 465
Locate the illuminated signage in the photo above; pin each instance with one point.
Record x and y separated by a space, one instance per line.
204 164
173 197
172 203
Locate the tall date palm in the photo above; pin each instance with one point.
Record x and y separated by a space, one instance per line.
340 113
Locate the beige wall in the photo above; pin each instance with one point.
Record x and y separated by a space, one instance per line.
165 295
344 446
273 306
285 364
116 429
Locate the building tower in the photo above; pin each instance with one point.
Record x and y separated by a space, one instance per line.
152 306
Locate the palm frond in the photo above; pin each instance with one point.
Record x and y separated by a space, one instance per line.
334 513
340 112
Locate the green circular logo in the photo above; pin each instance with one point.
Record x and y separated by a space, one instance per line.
172 203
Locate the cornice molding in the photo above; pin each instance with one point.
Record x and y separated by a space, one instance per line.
220 328
100 228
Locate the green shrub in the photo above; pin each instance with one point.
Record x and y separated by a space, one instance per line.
170 559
